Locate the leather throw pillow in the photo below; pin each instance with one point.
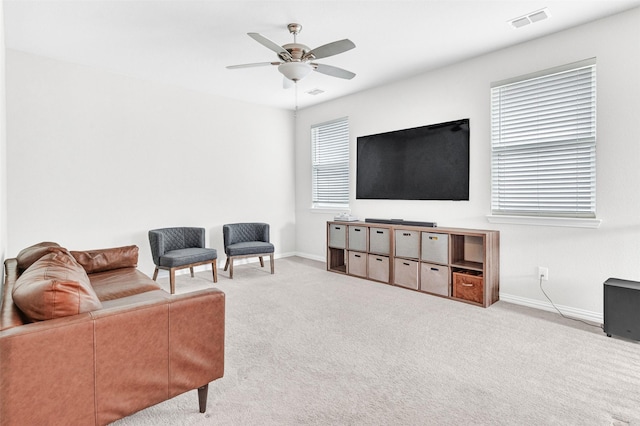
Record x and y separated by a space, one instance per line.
107 259
54 286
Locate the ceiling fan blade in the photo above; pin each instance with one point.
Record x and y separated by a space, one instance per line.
333 71
257 64
271 45
330 49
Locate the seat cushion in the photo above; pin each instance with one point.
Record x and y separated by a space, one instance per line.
250 247
187 256
119 283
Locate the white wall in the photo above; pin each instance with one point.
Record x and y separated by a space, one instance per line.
579 260
97 159
3 150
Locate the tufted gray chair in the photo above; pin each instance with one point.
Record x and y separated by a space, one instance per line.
246 240
179 248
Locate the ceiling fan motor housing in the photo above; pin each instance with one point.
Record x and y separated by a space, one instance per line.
296 50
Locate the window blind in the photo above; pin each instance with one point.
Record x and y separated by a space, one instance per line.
543 138
330 164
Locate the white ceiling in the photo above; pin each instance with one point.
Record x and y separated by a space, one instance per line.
189 43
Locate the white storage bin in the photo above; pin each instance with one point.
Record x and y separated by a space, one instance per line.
379 240
405 273
338 236
378 268
435 248
435 279
357 238
407 243
357 264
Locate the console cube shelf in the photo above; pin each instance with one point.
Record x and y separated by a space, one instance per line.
460 264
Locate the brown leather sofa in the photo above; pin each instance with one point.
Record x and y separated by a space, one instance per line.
86 338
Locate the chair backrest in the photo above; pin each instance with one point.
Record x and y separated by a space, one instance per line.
233 233
167 239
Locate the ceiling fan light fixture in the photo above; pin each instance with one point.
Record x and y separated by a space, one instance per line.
295 71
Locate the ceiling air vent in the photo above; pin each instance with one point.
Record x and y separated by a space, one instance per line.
521 21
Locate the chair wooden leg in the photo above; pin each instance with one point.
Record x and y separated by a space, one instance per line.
202 397
191 269
272 263
230 267
261 261
172 280
226 265
155 274
214 266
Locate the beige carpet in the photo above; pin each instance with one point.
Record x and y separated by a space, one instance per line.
306 346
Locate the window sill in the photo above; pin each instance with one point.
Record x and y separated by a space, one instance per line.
330 210
546 221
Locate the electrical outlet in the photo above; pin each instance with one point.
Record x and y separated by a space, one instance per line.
543 273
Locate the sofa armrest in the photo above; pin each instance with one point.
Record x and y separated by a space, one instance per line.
46 368
154 347
10 315
196 335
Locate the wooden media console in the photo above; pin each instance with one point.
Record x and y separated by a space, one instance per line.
461 264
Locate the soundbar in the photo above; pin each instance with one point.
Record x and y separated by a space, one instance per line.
401 222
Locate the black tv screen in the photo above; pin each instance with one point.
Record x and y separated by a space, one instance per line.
423 163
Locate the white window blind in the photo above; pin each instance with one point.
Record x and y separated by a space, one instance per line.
330 164
543 138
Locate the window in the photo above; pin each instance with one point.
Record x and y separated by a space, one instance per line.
543 144
330 164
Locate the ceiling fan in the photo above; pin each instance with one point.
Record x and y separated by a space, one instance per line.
296 60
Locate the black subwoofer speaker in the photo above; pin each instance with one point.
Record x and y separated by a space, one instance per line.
622 308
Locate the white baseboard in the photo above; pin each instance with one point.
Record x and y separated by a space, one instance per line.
311 257
567 311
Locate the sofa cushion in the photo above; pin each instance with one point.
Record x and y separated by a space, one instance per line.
54 286
119 283
30 255
107 259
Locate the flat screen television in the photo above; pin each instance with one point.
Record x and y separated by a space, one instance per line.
422 163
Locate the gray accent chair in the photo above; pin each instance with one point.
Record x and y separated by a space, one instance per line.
246 240
179 248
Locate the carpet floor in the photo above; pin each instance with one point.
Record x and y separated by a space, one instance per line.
311 347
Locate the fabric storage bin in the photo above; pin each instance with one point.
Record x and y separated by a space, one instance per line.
337 236
435 248
357 238
407 243
379 240
468 286
434 279
357 264
405 273
378 268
